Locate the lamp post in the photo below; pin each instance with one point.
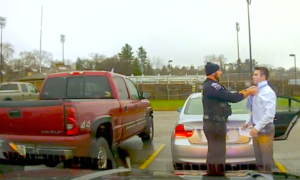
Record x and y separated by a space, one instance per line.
169 65
250 51
237 25
2 25
294 55
62 40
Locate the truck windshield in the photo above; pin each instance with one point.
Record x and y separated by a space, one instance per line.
79 87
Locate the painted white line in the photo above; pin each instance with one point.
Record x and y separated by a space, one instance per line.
101 173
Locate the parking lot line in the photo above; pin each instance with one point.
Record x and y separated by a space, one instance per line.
280 166
150 159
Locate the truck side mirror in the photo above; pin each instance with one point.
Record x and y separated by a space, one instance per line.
146 95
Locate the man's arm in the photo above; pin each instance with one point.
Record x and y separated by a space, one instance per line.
216 91
269 102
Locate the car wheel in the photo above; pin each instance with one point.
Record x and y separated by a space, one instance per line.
148 134
102 156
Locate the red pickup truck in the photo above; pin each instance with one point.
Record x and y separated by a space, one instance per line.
78 116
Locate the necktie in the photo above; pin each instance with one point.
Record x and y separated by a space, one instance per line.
250 101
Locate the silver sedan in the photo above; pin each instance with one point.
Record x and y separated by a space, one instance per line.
189 144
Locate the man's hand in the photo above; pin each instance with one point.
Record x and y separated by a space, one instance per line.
244 126
253 132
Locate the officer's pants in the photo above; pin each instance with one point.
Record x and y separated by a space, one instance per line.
216 154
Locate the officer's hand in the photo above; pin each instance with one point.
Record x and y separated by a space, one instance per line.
251 87
244 126
253 90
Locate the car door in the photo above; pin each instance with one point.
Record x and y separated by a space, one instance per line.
24 92
32 91
287 115
139 106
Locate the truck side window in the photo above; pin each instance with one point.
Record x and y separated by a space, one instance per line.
132 89
24 88
122 89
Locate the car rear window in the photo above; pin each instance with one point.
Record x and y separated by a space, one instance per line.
79 87
194 106
9 87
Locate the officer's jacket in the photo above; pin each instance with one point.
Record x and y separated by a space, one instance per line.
215 100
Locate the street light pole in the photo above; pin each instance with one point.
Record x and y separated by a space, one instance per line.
294 55
169 64
238 47
2 25
250 51
62 40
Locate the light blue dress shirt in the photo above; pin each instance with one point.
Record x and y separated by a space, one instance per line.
263 106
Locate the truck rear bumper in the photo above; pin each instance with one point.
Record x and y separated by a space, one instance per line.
66 147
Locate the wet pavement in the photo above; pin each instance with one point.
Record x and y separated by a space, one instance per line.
286 152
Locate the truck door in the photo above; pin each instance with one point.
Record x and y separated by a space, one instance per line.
127 109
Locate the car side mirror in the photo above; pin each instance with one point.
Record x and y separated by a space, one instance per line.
37 91
146 95
179 109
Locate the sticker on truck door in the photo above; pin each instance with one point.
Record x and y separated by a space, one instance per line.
85 124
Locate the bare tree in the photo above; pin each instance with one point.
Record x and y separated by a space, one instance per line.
221 60
44 60
157 62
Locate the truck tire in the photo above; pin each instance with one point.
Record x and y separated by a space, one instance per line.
102 157
147 135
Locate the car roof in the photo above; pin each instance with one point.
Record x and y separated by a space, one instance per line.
199 95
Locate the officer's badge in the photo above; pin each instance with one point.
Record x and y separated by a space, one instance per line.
216 86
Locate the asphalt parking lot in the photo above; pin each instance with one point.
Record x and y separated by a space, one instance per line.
157 157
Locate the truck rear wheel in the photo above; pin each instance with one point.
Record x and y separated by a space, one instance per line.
102 157
147 135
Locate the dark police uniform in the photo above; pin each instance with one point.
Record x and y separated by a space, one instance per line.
216 111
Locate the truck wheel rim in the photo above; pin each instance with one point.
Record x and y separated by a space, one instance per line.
102 158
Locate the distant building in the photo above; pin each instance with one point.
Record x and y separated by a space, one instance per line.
37 78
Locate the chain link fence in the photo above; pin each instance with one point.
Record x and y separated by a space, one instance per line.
180 87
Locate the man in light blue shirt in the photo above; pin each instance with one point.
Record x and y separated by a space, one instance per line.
263 110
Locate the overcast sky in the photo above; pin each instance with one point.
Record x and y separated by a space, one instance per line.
184 31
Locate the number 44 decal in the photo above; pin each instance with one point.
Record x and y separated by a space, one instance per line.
85 124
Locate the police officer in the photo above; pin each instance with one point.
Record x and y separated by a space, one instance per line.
216 111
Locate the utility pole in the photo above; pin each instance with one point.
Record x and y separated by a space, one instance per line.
41 40
2 25
250 51
237 25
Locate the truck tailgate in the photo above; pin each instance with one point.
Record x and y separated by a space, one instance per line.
32 118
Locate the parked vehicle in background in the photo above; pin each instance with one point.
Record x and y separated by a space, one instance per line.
189 143
17 91
78 115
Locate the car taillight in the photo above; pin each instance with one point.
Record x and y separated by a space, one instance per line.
71 121
183 131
